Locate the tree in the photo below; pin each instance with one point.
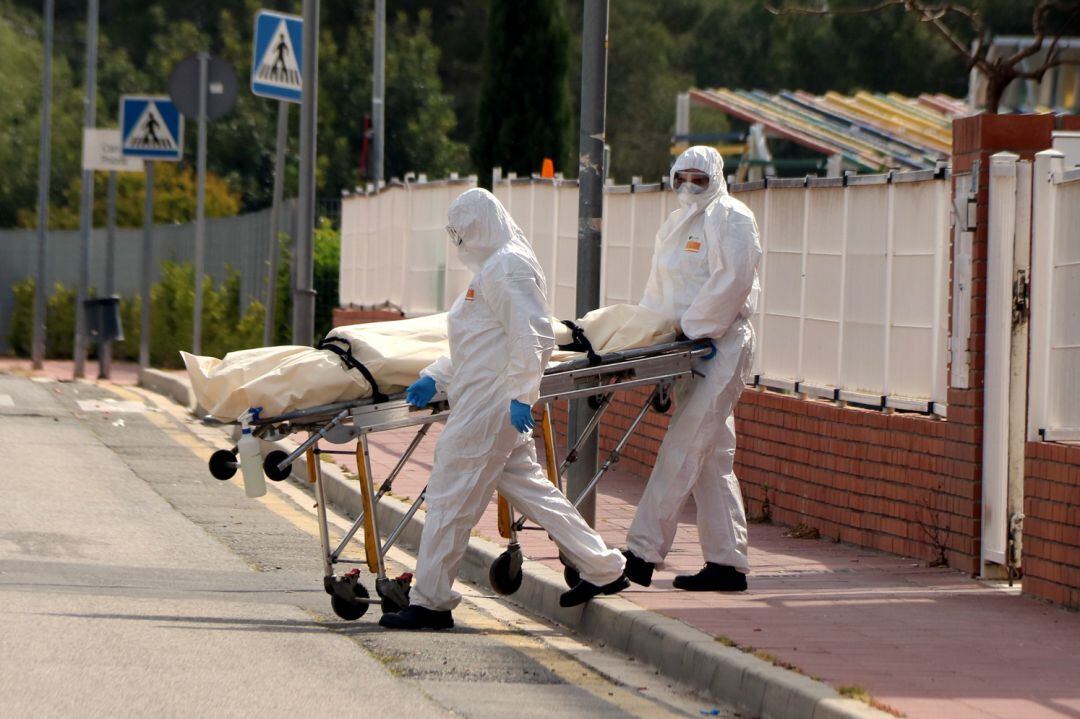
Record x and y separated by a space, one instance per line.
963 28
20 115
524 113
174 199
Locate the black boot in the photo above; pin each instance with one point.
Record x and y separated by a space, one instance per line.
417 617
584 591
637 569
712 578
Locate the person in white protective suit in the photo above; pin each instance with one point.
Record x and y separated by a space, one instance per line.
500 340
704 277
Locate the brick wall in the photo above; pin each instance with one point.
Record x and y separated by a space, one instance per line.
1052 522
895 482
344 316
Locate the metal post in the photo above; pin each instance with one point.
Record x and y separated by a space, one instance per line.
275 223
303 292
86 211
44 163
590 217
378 92
147 267
105 361
200 206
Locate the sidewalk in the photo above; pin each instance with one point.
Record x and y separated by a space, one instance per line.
123 373
925 642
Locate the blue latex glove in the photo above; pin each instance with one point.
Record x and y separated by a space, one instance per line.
712 351
420 392
521 416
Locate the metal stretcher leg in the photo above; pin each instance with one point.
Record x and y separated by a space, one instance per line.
383 489
348 597
615 453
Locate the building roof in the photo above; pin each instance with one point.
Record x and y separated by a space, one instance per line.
871 131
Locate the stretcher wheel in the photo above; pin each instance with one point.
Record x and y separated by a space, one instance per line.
270 466
505 574
570 576
661 403
223 464
350 611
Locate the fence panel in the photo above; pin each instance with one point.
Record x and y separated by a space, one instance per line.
865 289
1054 400
824 286
782 274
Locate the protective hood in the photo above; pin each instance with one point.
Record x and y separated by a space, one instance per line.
709 161
485 227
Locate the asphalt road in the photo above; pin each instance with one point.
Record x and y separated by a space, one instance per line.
134 584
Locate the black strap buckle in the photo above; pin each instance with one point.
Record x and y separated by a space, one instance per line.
580 344
333 344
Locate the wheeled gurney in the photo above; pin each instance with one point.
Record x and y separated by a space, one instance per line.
595 377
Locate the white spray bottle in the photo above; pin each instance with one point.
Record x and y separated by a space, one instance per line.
250 458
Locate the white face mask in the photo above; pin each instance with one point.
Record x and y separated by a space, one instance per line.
691 189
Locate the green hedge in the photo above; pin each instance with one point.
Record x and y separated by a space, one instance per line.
224 328
171 317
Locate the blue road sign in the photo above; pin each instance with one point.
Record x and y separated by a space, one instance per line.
152 128
277 62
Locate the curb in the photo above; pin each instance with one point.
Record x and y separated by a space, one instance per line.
165 383
755 687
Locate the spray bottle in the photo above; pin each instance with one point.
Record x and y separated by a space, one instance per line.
250 457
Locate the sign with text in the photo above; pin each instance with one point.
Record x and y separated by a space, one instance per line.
103 149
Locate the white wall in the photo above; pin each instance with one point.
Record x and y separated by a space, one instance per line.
853 274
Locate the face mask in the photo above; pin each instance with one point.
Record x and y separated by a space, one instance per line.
691 189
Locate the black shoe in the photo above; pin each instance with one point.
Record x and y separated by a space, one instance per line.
417 617
712 578
584 591
637 569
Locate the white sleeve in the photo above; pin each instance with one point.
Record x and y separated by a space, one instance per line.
521 308
441 370
734 252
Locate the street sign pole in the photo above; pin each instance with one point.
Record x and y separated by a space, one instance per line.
275 223
86 211
200 206
303 292
147 267
594 37
105 361
44 162
378 93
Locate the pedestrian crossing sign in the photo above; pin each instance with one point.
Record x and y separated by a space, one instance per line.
276 66
152 128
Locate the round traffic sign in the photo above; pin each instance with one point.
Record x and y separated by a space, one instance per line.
220 87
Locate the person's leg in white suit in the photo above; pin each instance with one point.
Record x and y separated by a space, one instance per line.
525 484
697 456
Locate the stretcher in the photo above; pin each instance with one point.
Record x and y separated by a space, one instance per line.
594 377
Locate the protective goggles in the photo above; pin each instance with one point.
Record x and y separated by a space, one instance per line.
455 236
694 177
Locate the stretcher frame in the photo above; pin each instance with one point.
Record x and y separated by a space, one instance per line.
596 378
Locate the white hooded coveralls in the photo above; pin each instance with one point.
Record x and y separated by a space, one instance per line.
704 276
500 340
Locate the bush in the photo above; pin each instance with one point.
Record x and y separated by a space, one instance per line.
22 320
173 301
